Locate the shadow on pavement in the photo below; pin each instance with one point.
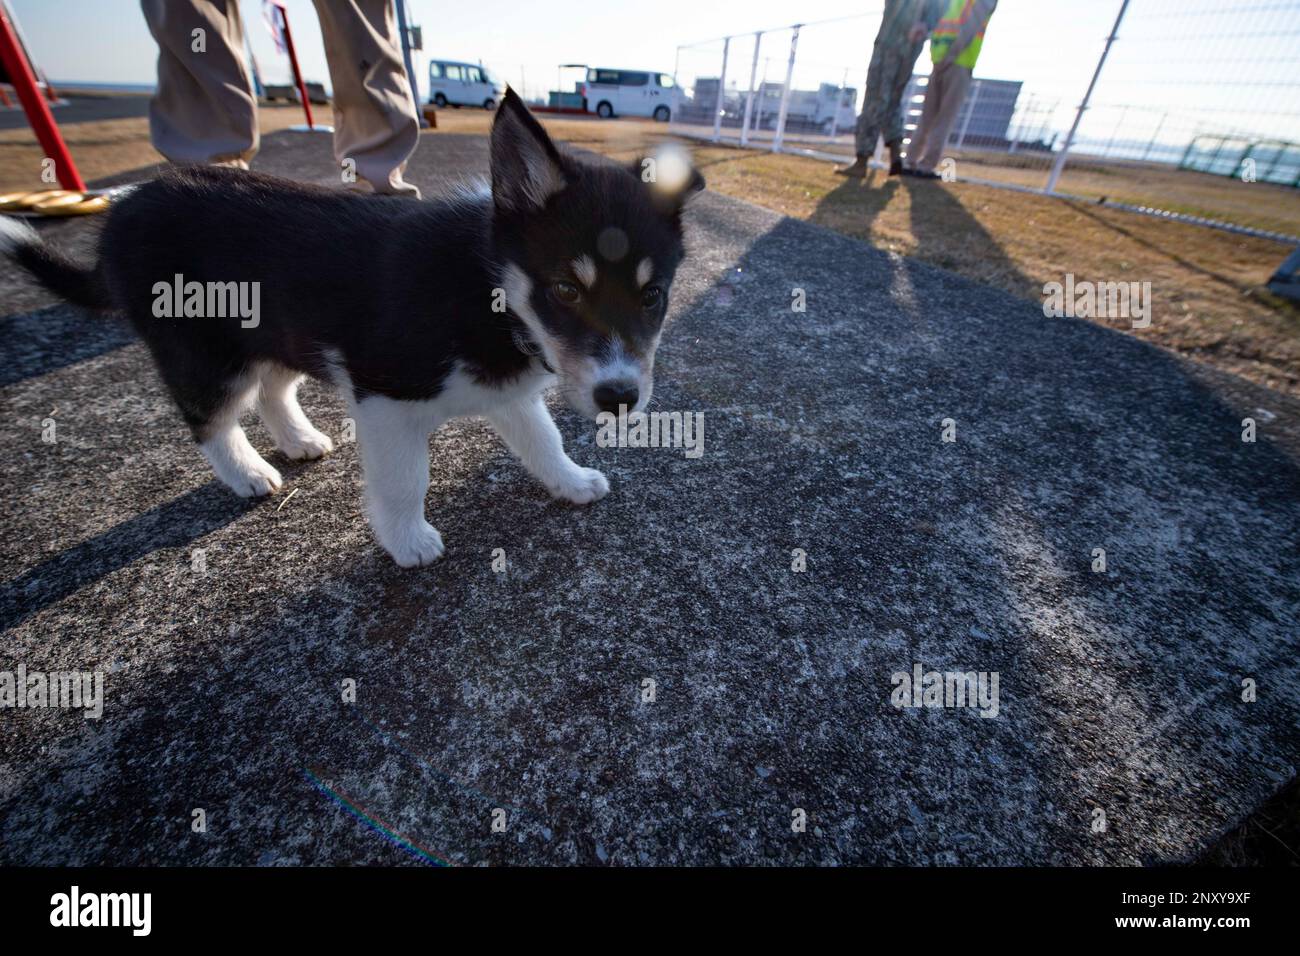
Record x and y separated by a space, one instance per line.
525 689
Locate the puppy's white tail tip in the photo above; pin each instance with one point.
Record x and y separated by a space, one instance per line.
14 233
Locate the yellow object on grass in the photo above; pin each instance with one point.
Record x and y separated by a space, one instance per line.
53 202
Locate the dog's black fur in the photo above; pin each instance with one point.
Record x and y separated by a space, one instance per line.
405 305
401 289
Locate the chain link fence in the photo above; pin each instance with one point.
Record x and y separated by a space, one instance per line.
1164 105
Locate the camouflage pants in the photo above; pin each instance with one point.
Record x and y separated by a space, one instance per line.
882 109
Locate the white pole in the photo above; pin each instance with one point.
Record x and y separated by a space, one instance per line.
1154 136
749 98
785 93
1041 135
722 88
405 34
1059 165
1123 115
839 99
970 111
1024 122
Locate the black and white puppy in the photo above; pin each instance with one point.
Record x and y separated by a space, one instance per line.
419 312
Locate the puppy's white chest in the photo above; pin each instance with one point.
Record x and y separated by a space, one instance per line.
461 395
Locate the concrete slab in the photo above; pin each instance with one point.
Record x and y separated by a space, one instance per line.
523 691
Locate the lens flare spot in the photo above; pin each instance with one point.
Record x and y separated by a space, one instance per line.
612 244
672 169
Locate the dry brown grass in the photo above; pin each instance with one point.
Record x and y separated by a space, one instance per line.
102 149
1259 205
1209 299
1208 287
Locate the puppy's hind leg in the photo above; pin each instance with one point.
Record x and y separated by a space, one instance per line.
224 444
530 432
277 405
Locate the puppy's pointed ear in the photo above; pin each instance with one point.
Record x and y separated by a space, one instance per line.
527 169
694 184
670 175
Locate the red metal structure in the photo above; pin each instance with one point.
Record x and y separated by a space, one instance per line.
38 113
293 61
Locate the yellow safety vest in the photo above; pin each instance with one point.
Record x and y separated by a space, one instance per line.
954 18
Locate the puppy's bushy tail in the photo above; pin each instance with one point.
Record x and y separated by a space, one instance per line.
54 270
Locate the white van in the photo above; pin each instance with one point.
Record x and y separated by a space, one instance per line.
630 93
463 84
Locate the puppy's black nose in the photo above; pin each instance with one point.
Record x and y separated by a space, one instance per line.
610 395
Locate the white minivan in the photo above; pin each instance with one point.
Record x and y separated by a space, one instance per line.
463 84
630 93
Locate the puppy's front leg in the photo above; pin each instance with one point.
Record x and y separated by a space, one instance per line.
527 428
394 440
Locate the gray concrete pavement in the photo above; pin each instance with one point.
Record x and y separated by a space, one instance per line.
1119 692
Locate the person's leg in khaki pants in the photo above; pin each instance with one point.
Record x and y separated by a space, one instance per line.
943 98
375 123
204 110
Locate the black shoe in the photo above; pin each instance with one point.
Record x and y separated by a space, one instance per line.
856 169
925 174
896 168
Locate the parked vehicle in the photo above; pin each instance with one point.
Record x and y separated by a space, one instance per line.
826 108
463 84
609 92
836 108
315 92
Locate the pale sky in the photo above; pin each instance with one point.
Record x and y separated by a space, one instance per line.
1180 66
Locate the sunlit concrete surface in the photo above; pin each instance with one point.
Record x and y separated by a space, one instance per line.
1121 734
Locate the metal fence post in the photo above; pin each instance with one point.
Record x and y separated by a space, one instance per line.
839 101
1154 136
1223 141
1064 154
1024 125
722 90
785 93
1123 115
20 74
406 54
970 111
1272 168
749 98
762 94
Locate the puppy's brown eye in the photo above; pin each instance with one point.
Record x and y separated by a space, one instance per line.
566 292
651 298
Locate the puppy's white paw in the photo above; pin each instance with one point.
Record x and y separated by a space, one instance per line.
581 486
413 546
238 466
257 480
306 445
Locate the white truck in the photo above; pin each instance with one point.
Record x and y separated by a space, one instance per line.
828 105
